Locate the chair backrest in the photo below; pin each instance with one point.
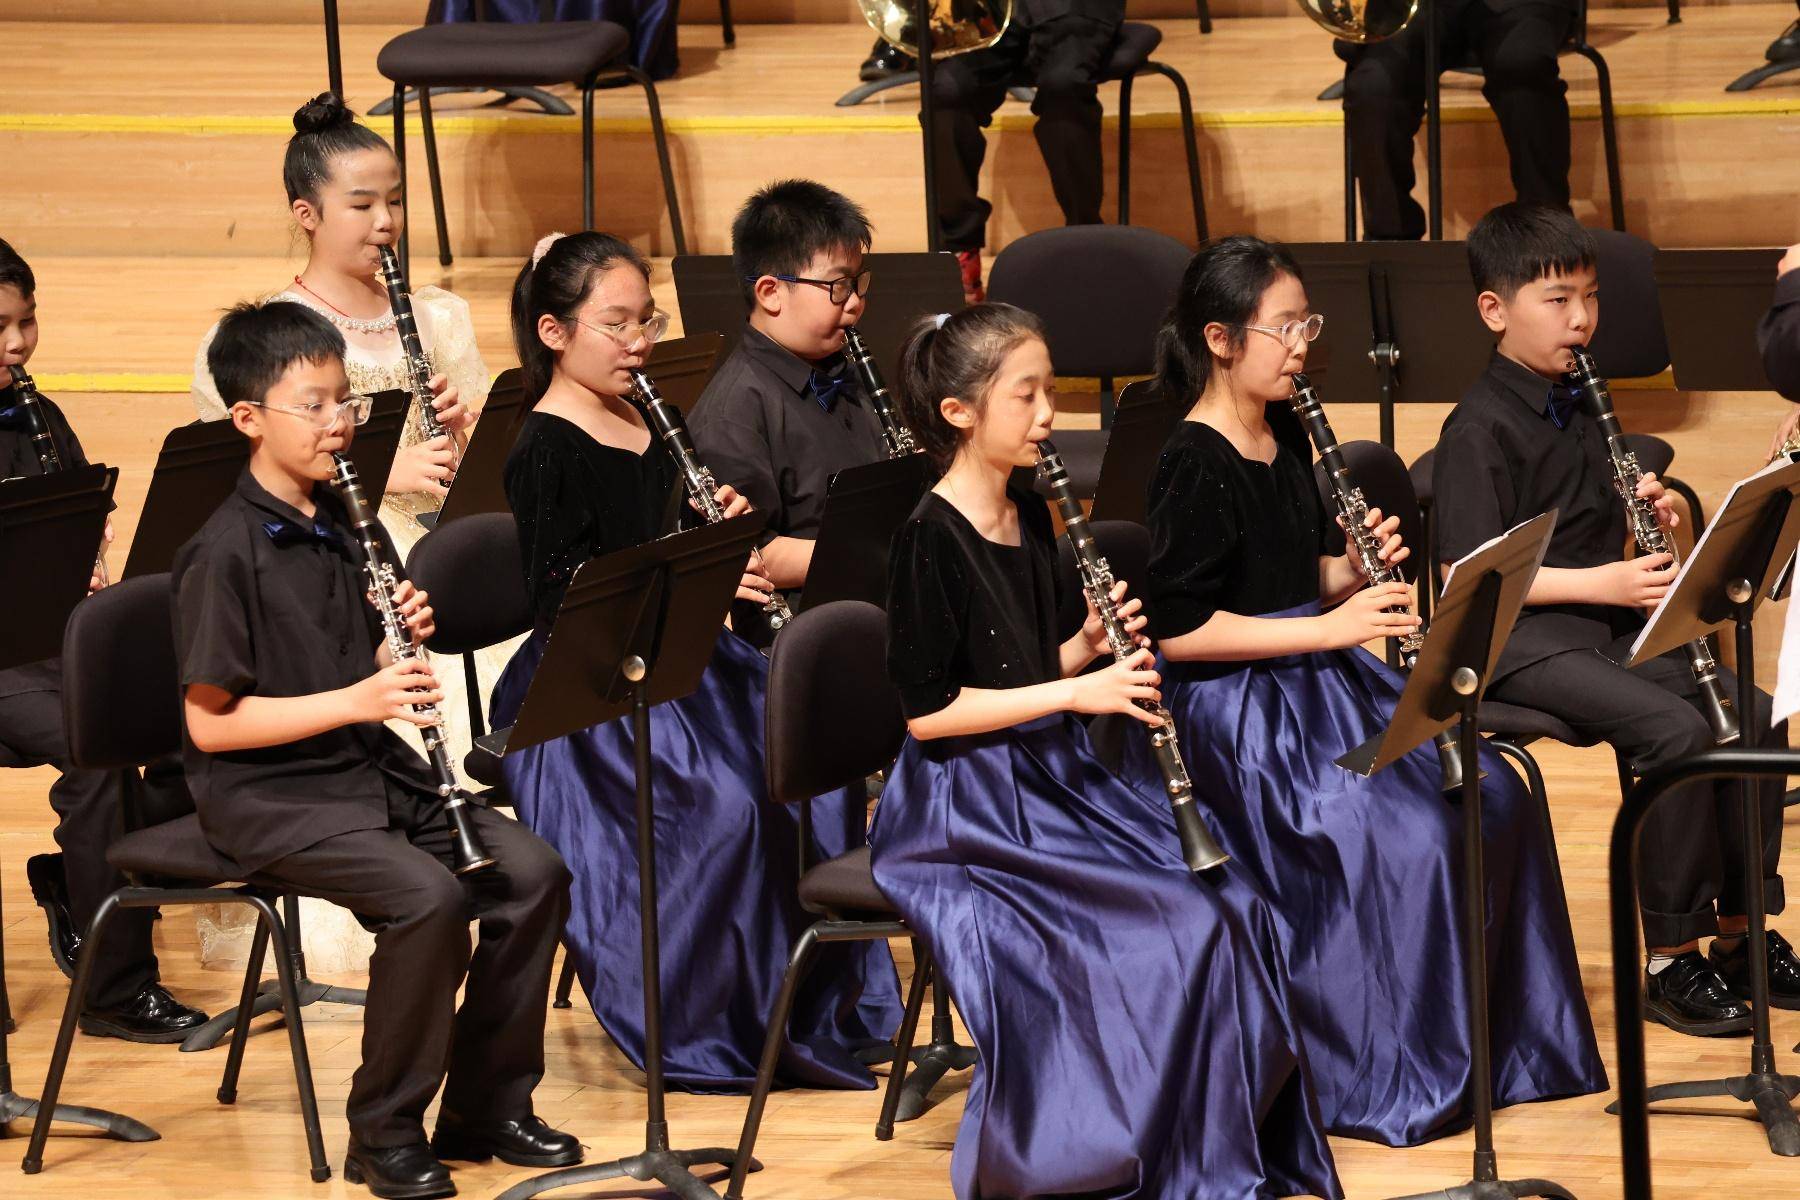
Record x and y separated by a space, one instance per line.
472 570
120 684
1126 547
832 716
1630 342
1101 291
1386 484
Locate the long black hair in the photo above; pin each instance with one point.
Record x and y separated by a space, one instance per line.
1225 283
559 284
323 129
956 355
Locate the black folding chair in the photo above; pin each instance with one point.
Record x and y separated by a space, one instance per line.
122 709
834 720
1129 58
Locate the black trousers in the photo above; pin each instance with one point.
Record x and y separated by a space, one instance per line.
89 807
489 1054
1691 866
1384 104
1063 57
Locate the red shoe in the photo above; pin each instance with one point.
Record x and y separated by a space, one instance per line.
970 262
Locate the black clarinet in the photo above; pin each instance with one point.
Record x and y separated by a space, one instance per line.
1354 510
383 576
668 424
412 350
1648 533
31 405
1197 844
894 432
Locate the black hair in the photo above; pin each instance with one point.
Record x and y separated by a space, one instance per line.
255 344
1517 244
15 272
323 129
959 358
559 285
1224 282
781 228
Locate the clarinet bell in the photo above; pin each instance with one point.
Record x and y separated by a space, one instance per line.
1197 845
468 855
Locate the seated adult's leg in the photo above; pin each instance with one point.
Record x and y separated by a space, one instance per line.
1384 103
1065 58
1518 47
967 89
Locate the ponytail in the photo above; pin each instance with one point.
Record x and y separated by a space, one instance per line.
557 280
956 354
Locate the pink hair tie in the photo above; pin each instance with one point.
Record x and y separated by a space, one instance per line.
543 244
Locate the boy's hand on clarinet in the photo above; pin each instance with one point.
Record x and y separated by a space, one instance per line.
446 401
422 467
393 691
754 587
1387 534
1639 582
97 577
1131 612
414 606
730 501
1650 488
1118 687
1364 617
1784 431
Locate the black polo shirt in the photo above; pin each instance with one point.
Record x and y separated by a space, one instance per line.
759 427
1778 336
18 457
255 616
1501 459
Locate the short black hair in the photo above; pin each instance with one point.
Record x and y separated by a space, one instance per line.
15 272
781 227
255 344
1517 244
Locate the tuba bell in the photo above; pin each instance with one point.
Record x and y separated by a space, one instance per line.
957 26
1361 21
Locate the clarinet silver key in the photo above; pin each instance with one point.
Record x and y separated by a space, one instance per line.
418 367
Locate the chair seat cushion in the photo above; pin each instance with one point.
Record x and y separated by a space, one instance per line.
1135 44
1517 724
480 53
844 885
173 850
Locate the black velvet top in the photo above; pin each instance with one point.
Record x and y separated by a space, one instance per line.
1231 533
575 498
967 612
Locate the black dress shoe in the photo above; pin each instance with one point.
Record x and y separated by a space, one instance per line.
409 1172
1689 997
884 60
50 888
151 1016
1733 966
525 1143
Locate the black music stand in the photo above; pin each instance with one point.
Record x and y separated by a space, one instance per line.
1481 600
1783 55
637 628
1711 302
199 466
53 523
1401 324
902 288
864 508
1140 430
1730 571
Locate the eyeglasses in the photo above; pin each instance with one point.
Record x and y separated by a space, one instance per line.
1293 332
626 333
323 414
840 289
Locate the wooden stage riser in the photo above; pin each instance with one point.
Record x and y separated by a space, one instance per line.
220 195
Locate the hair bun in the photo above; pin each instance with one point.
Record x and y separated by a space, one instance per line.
324 111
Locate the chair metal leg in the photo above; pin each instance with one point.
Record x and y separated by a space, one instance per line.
587 155
943 1055
1125 151
240 1030
729 29
1204 12
1191 137
1609 133
903 1041
290 1010
400 160
437 182
1350 189
773 1041
660 136
1534 784
565 982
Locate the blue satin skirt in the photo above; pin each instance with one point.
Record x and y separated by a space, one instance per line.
1130 1017
726 878
1364 875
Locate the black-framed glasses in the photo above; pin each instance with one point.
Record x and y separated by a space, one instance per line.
840 289
323 414
1292 333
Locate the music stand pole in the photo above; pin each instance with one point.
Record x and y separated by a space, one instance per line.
1434 128
928 125
334 57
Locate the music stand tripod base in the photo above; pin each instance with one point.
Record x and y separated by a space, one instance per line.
14 1107
673 1169
1497 1189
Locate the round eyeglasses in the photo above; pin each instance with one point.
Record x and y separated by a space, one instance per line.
1293 333
626 333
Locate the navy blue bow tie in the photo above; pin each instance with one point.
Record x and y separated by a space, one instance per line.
1561 404
15 419
826 387
288 533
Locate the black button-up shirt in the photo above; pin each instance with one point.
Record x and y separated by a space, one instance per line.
1501 460
1778 336
18 457
758 427
254 618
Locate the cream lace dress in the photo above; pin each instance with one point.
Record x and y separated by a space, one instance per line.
333 940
